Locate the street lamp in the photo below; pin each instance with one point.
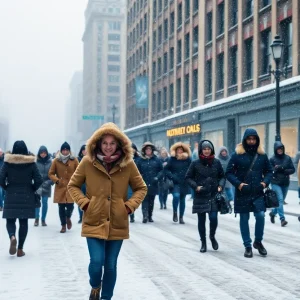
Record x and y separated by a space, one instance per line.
277 50
114 108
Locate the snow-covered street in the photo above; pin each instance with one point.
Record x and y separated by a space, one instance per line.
161 261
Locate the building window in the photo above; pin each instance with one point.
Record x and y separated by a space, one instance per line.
187 46
171 96
159 67
196 6
221 18
114 48
154 71
145 51
234 9
113 57
114 37
195 39
165 99
113 78
172 58
266 51
209 27
158 104
208 77
154 9
265 2
166 3
165 63
113 68
220 71
287 38
154 40
179 11
153 105
113 89
145 22
159 35
195 84
114 25
234 65
249 8
160 6
172 23
179 47
178 92
166 32
113 99
186 88
249 59
187 9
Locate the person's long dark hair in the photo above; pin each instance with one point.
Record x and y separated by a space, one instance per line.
80 155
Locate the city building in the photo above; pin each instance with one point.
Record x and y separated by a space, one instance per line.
104 69
4 125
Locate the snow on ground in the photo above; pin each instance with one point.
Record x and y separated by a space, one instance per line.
161 261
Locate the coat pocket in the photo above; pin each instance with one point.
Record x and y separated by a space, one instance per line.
120 216
95 213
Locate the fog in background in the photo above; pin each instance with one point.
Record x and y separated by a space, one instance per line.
40 49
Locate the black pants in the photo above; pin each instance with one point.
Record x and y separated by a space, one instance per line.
213 224
23 230
65 212
148 206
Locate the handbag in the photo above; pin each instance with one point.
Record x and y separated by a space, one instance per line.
223 206
37 200
270 198
167 184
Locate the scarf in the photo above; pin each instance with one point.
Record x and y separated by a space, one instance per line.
182 156
207 160
108 161
64 158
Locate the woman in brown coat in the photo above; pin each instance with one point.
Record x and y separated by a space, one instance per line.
61 171
107 169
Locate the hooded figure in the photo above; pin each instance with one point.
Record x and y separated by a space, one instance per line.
176 168
150 167
81 153
20 178
283 167
249 185
108 169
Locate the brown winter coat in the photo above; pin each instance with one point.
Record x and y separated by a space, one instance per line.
62 173
106 216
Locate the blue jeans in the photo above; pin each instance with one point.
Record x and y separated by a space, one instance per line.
259 227
229 193
299 192
103 254
1 197
44 209
179 199
281 192
163 196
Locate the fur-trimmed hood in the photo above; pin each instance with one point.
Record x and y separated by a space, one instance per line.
241 150
186 150
18 159
146 144
111 129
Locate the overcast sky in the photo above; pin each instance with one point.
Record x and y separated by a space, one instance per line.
40 49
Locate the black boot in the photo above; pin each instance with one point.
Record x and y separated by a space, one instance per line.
175 217
132 218
150 219
95 294
203 246
145 217
181 220
272 218
214 243
248 252
260 247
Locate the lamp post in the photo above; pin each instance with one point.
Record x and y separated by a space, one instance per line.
277 49
114 108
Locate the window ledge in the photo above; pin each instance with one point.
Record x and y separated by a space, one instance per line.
265 8
248 19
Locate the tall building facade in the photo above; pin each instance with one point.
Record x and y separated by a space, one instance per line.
208 64
104 63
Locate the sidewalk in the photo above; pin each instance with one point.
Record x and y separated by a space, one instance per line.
293 207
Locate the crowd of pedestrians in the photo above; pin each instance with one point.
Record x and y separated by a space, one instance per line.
111 178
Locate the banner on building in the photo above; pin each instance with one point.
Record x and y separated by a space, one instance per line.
141 91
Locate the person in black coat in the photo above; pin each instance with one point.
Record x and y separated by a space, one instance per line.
206 177
163 185
81 155
21 178
150 167
44 162
283 167
249 184
176 169
1 190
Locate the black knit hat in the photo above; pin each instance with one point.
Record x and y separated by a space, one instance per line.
20 148
133 146
65 146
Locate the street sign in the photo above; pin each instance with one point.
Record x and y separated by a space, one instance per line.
92 117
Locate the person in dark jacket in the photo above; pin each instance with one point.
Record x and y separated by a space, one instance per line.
163 188
20 178
176 169
249 185
150 167
136 156
1 190
283 167
44 162
206 177
81 155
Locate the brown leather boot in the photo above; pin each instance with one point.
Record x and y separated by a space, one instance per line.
20 253
69 223
63 229
95 294
13 246
36 222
